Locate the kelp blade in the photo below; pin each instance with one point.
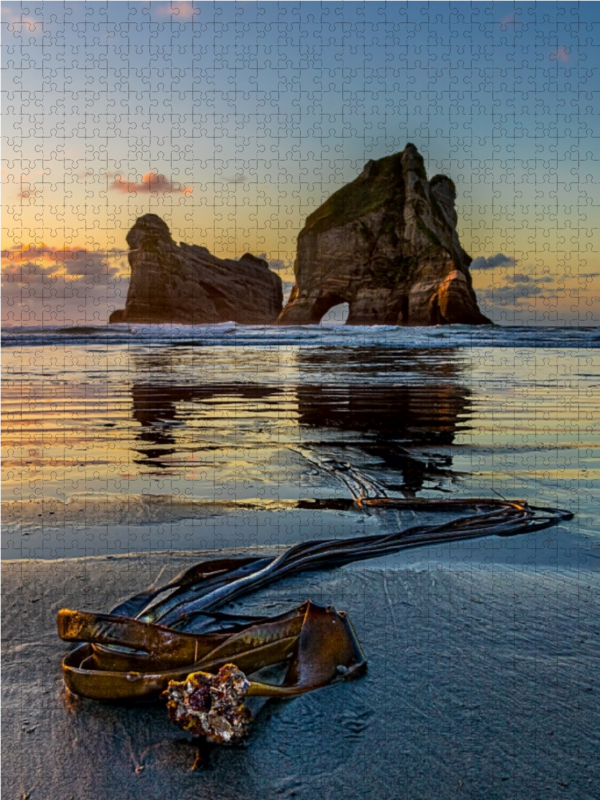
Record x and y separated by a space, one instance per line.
327 650
134 658
316 641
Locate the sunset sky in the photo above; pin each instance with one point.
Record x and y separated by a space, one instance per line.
234 121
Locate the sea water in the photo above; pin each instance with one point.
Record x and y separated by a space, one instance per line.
131 438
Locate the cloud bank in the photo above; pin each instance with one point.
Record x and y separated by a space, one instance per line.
67 285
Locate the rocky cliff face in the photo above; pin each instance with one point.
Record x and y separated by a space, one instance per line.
186 284
386 244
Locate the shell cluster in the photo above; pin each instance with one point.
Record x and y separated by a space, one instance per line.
211 706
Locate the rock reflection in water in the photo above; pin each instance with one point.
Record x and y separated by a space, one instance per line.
385 405
157 410
361 364
385 424
396 412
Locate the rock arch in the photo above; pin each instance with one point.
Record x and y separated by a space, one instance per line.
387 245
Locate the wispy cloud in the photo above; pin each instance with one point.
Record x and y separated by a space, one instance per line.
560 54
285 269
25 273
151 182
19 22
182 10
491 262
511 22
236 179
515 292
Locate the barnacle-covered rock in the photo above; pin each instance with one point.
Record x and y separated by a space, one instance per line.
211 706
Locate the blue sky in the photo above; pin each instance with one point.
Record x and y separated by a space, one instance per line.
234 121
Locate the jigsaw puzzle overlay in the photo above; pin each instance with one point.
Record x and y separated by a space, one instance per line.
134 450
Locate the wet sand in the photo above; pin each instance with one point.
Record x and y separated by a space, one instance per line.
482 683
99 438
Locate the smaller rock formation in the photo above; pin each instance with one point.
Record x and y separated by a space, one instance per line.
185 284
387 245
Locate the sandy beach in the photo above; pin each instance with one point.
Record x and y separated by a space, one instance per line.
482 655
481 683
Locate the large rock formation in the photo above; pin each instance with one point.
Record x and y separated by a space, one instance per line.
186 284
386 244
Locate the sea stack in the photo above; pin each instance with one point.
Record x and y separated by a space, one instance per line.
185 284
386 244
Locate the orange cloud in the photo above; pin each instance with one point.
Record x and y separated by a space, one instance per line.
151 182
181 9
560 54
18 22
510 21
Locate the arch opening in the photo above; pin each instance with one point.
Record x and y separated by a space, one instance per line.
330 310
337 315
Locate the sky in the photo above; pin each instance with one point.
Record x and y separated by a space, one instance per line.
234 121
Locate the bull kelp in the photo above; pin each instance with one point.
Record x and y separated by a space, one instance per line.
175 641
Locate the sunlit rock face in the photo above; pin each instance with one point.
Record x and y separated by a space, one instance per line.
185 284
386 244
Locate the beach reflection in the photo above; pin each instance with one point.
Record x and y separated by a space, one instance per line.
386 427
231 439
160 410
399 410
397 413
375 364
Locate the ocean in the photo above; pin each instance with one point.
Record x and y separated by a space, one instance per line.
129 439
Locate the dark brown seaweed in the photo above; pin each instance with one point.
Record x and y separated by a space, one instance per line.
163 635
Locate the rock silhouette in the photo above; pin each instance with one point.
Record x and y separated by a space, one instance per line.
185 284
386 244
